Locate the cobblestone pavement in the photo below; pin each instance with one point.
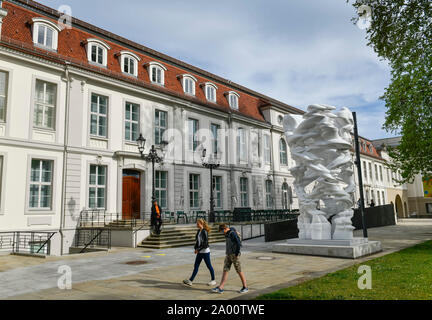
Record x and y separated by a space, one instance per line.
108 276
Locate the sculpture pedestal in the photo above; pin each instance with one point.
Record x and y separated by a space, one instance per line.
351 249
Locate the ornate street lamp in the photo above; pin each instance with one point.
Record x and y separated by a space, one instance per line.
151 156
210 165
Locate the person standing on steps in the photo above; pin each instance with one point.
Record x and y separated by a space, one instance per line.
202 251
233 244
156 218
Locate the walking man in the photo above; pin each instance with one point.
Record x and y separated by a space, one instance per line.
233 245
156 218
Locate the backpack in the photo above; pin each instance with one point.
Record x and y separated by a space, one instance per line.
238 235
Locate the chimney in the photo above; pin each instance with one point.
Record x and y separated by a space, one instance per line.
3 13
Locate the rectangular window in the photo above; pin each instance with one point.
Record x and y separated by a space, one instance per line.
241 144
370 171
129 65
45 104
364 170
429 207
194 184
378 198
3 94
381 173
217 189
267 149
383 198
97 187
98 115
161 124
156 75
193 130
215 142
41 176
45 36
131 121
269 196
376 172
161 188
244 195
97 54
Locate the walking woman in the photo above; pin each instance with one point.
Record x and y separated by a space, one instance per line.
202 251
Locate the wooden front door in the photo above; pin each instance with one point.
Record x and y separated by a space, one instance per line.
131 197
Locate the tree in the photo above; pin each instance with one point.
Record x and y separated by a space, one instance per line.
400 31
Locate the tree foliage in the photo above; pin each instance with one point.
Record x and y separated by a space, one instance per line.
400 31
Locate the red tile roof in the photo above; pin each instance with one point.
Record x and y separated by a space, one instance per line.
16 33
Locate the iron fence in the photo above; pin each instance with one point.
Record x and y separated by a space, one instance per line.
30 242
93 237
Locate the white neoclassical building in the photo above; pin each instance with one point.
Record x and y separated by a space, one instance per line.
74 99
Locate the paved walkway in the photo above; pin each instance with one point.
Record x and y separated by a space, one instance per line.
107 276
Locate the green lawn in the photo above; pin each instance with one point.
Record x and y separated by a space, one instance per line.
406 274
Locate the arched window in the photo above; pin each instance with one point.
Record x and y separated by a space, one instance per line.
45 33
188 82
233 99
156 72
129 63
97 52
283 150
210 91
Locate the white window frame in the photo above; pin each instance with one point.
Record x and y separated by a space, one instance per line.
242 144
3 114
156 66
218 200
158 127
41 184
233 99
267 149
283 154
269 193
127 55
215 139
244 194
99 115
208 86
193 191
90 43
97 186
159 189
41 22
45 106
193 139
131 122
188 83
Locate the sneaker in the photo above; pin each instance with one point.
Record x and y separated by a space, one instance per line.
217 290
211 283
187 282
243 290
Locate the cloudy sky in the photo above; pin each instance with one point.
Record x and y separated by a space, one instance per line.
297 51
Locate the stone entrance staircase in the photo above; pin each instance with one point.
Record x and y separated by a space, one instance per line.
171 237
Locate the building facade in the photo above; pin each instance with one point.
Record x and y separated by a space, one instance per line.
75 98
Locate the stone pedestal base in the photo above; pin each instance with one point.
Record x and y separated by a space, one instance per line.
351 249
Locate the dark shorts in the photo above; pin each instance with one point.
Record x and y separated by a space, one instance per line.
232 259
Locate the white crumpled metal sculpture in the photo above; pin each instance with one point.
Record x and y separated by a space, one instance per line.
320 143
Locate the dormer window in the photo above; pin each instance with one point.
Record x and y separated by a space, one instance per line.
45 33
210 91
129 63
233 99
97 52
156 72
188 83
